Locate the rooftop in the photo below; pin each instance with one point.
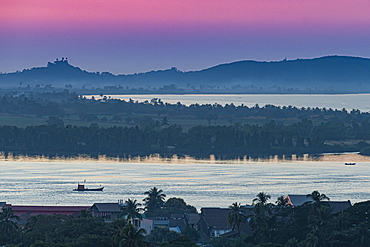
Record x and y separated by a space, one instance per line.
107 207
297 200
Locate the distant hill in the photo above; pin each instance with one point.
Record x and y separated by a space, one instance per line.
327 74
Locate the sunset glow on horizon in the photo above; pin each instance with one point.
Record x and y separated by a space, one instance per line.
137 36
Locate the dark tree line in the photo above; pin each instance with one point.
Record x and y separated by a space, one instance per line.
61 104
311 224
223 141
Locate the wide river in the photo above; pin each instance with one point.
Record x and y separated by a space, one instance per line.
334 101
199 183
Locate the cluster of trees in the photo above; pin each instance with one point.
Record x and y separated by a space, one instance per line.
311 224
22 105
210 112
89 231
156 204
286 130
199 141
61 104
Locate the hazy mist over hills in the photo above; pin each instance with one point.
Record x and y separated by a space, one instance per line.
334 74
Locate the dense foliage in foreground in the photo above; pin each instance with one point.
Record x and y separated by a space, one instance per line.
273 225
85 230
309 225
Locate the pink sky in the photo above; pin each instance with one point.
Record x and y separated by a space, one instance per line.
126 36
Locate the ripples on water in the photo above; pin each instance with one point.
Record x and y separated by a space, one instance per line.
202 183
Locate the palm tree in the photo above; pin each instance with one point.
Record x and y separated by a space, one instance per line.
8 228
131 209
236 217
317 197
260 204
281 201
259 222
319 216
154 200
261 198
132 237
117 227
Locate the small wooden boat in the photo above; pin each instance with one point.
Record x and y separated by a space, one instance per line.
350 164
81 187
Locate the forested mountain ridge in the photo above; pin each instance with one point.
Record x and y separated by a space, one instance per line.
335 74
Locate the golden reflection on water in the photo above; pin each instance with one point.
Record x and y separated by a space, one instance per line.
112 176
347 157
172 178
155 158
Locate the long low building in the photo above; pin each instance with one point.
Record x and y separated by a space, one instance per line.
24 212
47 210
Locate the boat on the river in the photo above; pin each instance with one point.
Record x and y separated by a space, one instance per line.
81 187
350 164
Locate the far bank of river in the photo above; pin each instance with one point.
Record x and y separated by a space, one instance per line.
334 101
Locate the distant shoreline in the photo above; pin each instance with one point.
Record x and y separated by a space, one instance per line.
348 101
156 158
222 93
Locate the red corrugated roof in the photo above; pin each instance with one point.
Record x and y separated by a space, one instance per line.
48 210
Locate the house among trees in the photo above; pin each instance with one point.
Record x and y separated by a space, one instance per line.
192 219
338 206
149 223
108 211
177 223
298 200
214 222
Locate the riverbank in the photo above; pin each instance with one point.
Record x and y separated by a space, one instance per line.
175 159
339 101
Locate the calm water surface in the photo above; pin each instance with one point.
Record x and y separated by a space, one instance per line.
334 101
207 184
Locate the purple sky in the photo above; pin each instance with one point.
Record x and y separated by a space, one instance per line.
125 36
